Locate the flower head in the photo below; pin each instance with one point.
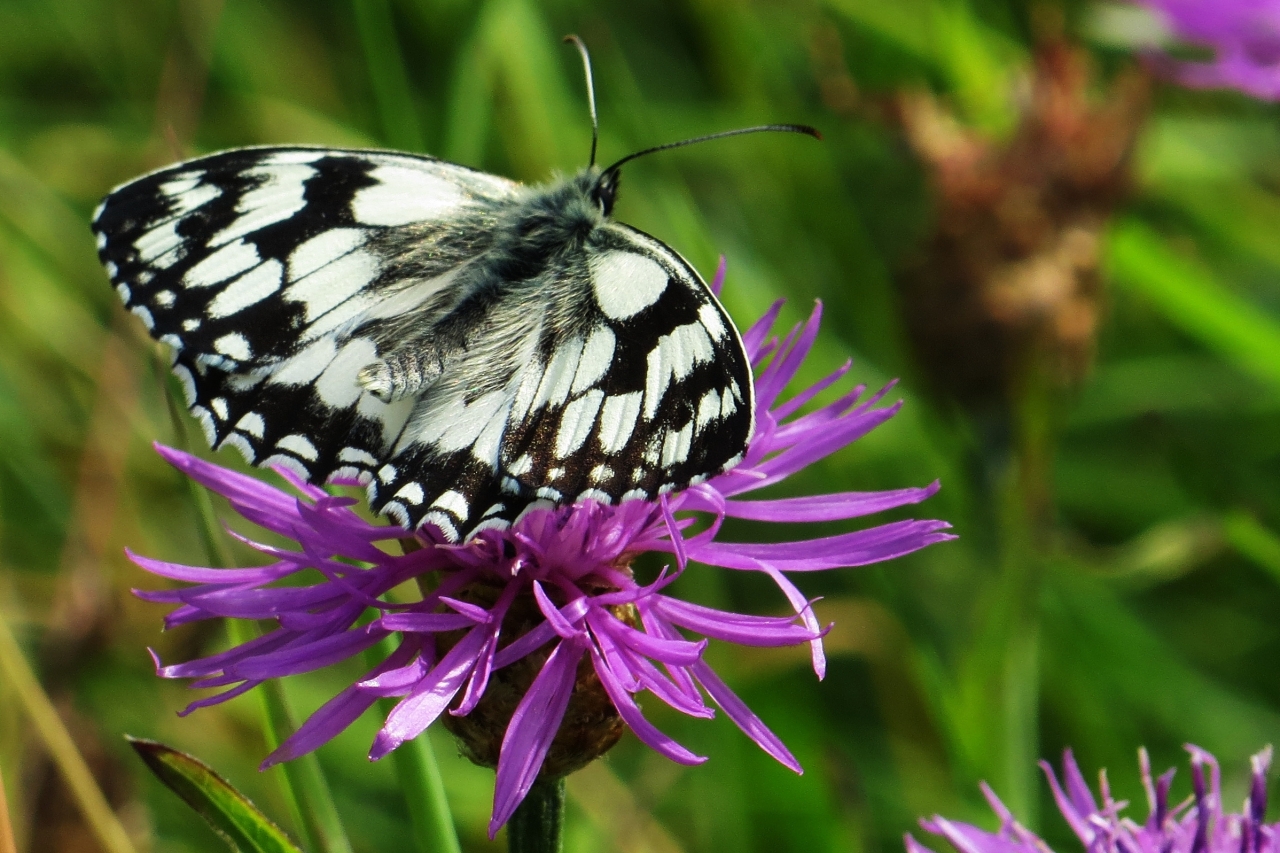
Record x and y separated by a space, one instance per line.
1244 36
1197 825
531 642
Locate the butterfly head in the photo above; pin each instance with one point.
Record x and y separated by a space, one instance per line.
605 188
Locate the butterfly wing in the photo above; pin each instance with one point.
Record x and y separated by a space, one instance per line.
276 274
627 382
261 266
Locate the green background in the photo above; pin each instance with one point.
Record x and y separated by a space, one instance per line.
1144 613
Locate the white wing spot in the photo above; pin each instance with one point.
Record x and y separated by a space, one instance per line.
673 359
337 386
576 422
453 502
303 155
334 283
190 325
145 316
354 454
711 320
276 199
306 365
188 383
206 423
521 466
323 249
442 521
242 444
219 406
164 298
618 421
403 195
597 356
299 444
675 447
708 408
601 473
156 241
411 493
727 404
232 259
626 283
249 289
558 378
123 291
234 345
252 424
186 196
289 463
397 513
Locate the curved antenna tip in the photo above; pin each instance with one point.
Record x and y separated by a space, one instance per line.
591 90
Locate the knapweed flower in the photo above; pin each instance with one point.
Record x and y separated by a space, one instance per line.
531 643
1244 36
1197 825
1010 278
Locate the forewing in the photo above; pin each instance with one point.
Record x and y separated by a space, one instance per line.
262 267
241 258
625 379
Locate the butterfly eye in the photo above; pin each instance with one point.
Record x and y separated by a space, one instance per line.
605 192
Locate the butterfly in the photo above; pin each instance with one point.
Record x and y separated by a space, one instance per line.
464 346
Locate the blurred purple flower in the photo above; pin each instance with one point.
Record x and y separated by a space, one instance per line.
568 567
1196 825
1244 36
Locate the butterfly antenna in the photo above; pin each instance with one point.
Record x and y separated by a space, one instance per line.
591 92
779 128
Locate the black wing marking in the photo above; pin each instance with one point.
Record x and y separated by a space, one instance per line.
630 383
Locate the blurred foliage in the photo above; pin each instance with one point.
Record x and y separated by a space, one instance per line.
1118 575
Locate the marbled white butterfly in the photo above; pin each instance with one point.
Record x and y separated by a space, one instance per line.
463 345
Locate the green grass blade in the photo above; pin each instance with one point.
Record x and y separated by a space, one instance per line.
1194 300
236 820
53 734
392 94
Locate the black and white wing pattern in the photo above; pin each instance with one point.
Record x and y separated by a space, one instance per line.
385 316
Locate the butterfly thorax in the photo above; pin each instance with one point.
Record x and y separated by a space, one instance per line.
533 245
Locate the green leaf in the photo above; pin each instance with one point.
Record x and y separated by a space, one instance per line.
236 820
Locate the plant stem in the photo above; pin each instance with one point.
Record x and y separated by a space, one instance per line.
415 763
303 783
537 825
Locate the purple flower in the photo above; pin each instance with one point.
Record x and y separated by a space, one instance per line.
1197 825
532 641
1244 36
